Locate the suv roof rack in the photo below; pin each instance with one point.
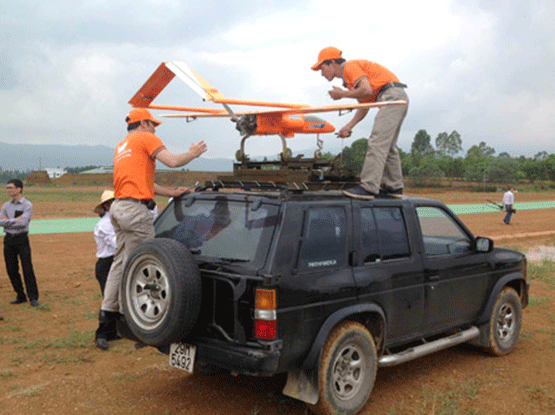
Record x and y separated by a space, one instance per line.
237 184
273 186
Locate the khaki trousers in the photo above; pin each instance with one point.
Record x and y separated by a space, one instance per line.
382 164
133 224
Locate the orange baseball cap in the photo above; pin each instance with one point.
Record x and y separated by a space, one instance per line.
139 114
326 54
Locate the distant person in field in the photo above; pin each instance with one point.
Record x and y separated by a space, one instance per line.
14 218
134 189
508 201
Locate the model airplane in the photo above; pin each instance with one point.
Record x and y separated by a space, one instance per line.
285 120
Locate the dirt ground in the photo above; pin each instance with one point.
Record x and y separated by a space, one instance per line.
49 365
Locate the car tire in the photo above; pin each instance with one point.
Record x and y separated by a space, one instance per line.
347 371
505 322
161 292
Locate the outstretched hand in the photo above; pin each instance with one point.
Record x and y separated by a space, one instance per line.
197 149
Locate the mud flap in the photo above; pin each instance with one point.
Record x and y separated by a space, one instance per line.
483 338
302 386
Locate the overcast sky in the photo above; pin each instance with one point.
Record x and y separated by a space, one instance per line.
483 68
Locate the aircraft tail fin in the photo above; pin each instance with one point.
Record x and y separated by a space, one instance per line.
161 77
164 74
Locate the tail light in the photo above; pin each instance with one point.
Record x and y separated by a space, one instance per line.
265 317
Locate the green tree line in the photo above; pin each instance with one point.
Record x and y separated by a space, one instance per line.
6 175
428 163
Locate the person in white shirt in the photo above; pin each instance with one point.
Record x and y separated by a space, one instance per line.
508 201
105 238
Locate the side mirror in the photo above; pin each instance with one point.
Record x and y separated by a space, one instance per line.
484 244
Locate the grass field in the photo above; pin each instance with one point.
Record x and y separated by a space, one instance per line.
49 364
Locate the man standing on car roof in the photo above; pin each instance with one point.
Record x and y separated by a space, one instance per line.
370 82
134 189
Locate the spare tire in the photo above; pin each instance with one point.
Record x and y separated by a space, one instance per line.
161 291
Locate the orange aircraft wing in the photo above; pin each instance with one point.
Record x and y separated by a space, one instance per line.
200 112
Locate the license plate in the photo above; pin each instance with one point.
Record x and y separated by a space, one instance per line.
182 356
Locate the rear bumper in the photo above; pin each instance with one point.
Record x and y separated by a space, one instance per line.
258 359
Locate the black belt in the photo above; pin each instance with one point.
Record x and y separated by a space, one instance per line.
149 203
14 235
391 84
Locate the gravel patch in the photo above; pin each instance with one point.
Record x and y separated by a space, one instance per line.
539 253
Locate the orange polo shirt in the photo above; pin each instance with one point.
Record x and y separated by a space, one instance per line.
377 75
134 166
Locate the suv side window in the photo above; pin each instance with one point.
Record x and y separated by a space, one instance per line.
441 234
369 235
384 234
325 239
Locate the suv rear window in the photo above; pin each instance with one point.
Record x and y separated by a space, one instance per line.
325 239
384 234
235 230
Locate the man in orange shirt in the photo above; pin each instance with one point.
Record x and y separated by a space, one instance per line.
134 190
367 81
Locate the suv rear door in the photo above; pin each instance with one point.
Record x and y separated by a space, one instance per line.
387 271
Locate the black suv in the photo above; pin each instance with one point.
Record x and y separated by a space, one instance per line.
319 286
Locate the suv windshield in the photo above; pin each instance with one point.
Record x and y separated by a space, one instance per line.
234 230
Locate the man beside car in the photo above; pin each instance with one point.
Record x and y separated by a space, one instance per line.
134 189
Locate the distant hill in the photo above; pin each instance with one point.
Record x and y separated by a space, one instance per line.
35 157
